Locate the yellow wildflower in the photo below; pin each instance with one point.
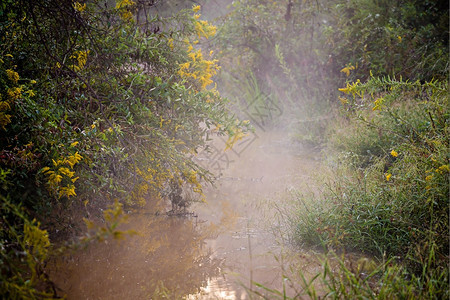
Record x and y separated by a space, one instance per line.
203 28
79 7
14 93
73 159
30 93
347 69
239 135
388 176
343 100
74 144
54 178
124 4
4 106
345 90
378 103
36 239
33 81
170 43
67 191
81 58
429 177
399 38
394 153
12 75
196 8
442 169
185 65
127 15
66 171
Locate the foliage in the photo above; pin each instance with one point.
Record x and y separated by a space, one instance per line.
24 249
390 141
100 102
300 51
390 195
407 38
343 278
269 44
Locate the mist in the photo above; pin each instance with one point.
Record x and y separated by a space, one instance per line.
224 149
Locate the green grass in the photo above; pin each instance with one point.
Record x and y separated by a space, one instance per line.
387 198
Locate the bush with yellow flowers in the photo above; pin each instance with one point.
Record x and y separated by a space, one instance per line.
100 103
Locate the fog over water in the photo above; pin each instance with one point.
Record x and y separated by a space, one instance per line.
222 247
233 240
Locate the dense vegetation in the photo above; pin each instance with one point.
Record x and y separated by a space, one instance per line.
100 104
380 69
105 102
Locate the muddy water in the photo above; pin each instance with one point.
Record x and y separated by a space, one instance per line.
214 255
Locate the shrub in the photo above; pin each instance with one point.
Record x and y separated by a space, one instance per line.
100 103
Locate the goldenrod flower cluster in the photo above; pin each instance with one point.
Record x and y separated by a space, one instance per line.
237 136
192 179
36 240
378 103
81 59
125 7
199 68
13 93
441 170
12 75
347 69
60 179
79 7
352 88
203 28
5 118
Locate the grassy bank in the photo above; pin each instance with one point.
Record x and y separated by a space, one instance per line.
388 198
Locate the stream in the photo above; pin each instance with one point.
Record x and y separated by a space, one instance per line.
229 242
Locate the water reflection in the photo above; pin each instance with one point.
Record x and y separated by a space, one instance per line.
217 288
168 259
228 247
